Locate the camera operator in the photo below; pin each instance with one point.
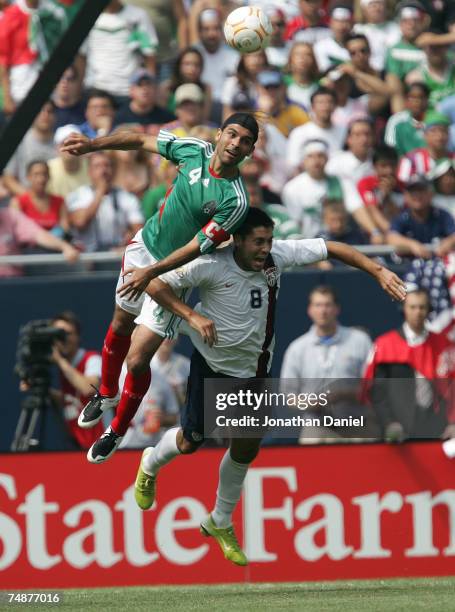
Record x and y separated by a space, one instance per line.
80 372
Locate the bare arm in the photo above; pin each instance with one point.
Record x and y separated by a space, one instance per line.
163 295
408 245
182 23
13 185
82 217
388 280
396 90
49 241
83 384
8 104
140 277
78 144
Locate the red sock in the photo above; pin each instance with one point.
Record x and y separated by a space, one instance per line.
134 389
114 352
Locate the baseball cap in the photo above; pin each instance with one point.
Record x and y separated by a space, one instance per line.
435 118
269 78
64 131
188 92
410 9
142 74
417 180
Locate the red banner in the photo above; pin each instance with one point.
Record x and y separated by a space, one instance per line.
317 513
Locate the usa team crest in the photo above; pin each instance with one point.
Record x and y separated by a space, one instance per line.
271 275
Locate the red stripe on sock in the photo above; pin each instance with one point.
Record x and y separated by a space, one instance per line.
115 349
134 389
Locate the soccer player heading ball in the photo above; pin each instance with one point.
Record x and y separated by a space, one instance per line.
206 203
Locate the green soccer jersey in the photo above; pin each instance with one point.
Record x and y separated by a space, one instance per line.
404 133
402 58
199 201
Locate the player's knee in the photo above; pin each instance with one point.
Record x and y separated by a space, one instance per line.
123 322
137 363
245 451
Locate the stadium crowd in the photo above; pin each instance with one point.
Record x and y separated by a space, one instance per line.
356 101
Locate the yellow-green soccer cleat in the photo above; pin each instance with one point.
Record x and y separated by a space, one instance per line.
144 487
227 540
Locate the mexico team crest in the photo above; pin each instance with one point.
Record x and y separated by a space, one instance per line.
209 208
271 275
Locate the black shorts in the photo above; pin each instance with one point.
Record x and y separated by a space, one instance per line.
192 416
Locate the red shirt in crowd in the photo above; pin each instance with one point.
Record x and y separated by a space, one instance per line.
47 220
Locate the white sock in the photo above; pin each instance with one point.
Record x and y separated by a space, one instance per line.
232 475
164 451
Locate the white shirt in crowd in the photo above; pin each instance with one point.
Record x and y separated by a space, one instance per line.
160 396
381 36
114 47
114 216
218 67
346 166
299 136
238 301
303 197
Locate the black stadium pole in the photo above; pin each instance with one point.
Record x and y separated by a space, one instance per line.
62 56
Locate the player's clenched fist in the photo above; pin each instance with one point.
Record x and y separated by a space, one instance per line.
77 144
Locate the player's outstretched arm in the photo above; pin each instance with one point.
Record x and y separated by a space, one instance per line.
78 144
388 280
163 295
139 278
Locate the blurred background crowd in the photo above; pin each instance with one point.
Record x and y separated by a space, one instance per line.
356 101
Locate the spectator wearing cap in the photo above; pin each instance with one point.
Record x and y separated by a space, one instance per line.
303 195
405 55
66 172
323 104
277 49
437 71
380 32
188 68
189 109
244 81
67 97
220 61
424 160
38 143
443 177
311 25
271 100
122 39
332 51
99 114
421 223
405 129
380 192
142 108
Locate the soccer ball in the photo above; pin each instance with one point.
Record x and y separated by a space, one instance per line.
247 29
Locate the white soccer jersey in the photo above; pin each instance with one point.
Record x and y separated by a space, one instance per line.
241 303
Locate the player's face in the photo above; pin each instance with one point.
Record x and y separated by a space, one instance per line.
415 309
252 250
234 143
322 310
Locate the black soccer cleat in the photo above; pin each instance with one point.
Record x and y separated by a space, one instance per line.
94 409
104 447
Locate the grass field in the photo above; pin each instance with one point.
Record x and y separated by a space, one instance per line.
431 594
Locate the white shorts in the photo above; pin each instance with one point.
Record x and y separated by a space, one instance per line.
147 311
